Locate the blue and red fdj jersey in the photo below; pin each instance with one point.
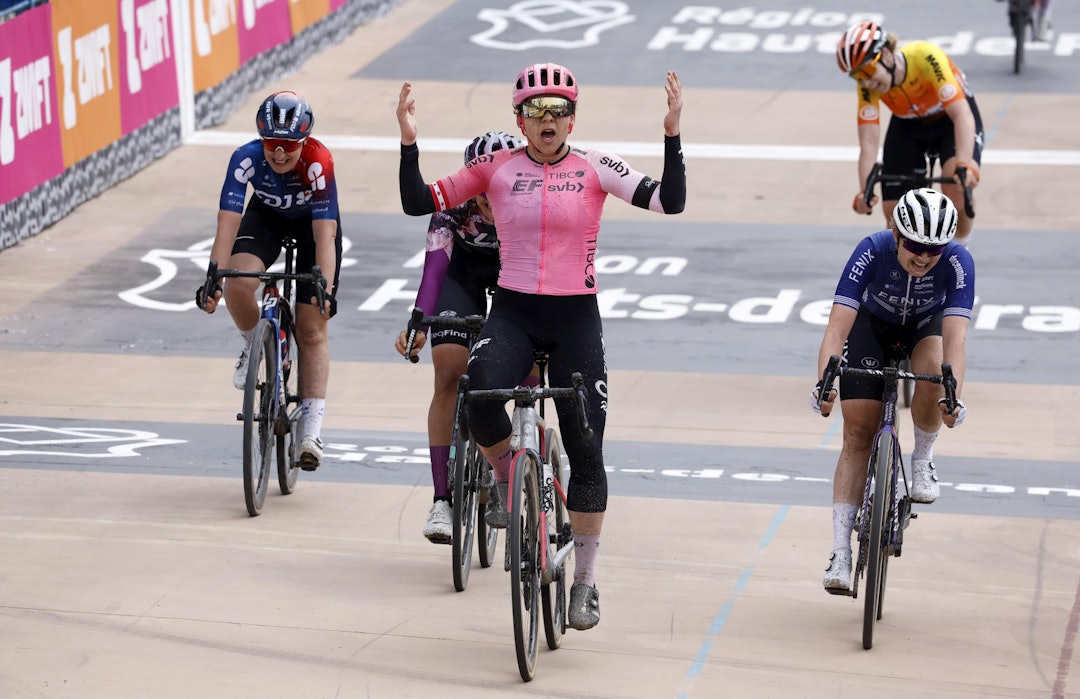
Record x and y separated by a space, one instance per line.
309 190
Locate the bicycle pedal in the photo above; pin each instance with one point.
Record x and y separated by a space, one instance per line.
240 417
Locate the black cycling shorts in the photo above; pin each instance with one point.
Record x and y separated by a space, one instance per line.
870 344
464 292
568 328
262 233
908 141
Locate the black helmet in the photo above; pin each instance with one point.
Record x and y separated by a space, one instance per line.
285 115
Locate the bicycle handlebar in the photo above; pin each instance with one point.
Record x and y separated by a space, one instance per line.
833 369
315 276
471 324
918 178
527 396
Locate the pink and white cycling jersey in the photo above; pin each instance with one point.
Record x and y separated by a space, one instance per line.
548 214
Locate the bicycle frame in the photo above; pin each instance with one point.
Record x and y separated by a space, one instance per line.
529 435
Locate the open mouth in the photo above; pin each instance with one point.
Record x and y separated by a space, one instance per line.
548 135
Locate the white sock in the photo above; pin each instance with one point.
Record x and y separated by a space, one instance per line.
585 548
249 337
843 522
311 416
924 444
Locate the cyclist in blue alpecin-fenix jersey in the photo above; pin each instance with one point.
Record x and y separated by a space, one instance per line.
295 195
913 287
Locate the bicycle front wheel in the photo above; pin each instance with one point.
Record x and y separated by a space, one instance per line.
259 437
553 594
463 481
880 532
288 467
523 538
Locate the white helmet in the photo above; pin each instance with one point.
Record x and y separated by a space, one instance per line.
926 216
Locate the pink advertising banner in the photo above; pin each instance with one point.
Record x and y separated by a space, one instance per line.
30 144
263 24
147 62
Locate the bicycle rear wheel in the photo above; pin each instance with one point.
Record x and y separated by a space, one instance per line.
880 531
523 538
488 537
288 468
553 594
463 481
259 438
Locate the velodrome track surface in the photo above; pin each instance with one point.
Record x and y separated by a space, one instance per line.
126 580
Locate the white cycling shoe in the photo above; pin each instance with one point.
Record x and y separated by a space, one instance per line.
924 482
837 579
438 528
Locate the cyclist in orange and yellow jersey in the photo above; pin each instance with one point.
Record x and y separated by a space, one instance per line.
933 112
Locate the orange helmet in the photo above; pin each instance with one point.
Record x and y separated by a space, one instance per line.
859 45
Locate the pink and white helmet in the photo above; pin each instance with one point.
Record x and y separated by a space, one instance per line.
545 79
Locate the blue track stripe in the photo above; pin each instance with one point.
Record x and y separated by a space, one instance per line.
725 610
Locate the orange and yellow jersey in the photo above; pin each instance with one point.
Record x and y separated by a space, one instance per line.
932 83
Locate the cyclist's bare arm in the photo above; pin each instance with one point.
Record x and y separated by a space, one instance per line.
869 139
953 338
228 224
841 319
325 230
964 135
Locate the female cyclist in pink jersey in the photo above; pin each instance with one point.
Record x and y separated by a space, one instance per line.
547 200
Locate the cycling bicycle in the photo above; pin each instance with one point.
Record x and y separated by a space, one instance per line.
271 386
884 513
1021 19
471 479
539 538
919 177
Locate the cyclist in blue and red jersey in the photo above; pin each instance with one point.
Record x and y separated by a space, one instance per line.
295 195
548 199
933 112
461 268
911 286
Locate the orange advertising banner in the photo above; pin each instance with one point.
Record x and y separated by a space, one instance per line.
304 13
86 50
215 42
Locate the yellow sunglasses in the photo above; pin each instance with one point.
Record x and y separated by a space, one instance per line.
536 106
867 70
